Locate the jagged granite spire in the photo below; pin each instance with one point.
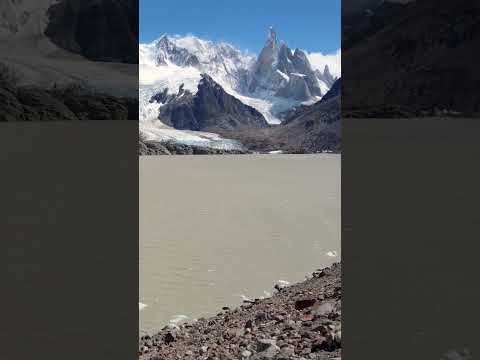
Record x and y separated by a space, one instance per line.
285 74
272 38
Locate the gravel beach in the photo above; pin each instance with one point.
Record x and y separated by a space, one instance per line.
301 321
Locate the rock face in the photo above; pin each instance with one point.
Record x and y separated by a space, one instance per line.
23 19
210 109
416 56
285 73
296 88
100 30
315 129
272 328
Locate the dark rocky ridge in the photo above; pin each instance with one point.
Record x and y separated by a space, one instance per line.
35 104
412 59
148 147
302 321
335 90
100 30
210 109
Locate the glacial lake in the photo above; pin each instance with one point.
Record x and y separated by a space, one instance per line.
215 230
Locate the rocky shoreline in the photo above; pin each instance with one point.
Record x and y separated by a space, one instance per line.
301 321
150 147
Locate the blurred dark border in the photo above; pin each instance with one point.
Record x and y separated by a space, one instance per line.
69 196
69 240
69 60
410 176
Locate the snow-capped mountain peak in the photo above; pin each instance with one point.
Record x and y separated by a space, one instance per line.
169 51
276 71
192 51
275 81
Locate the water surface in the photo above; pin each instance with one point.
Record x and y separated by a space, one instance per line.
217 229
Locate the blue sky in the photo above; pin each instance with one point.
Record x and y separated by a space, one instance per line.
313 25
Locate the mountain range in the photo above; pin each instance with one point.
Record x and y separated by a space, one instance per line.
192 85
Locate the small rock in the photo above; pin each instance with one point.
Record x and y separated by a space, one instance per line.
169 338
307 317
261 317
287 352
264 344
323 309
303 304
249 324
270 350
246 354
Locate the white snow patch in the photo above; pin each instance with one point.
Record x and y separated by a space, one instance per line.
298 74
283 75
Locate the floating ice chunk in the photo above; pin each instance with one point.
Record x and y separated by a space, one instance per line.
245 298
178 319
